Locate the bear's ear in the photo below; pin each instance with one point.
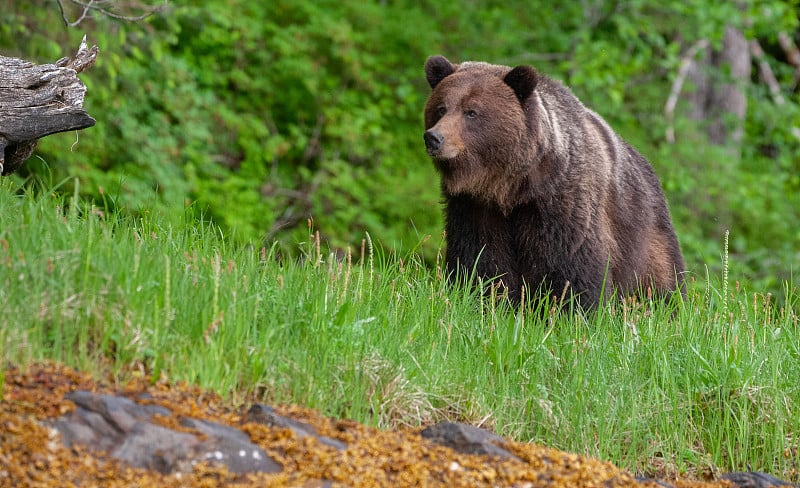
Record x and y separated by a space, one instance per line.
438 68
522 80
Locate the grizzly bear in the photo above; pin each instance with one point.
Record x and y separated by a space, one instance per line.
540 192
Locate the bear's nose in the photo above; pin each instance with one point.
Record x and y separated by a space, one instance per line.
433 140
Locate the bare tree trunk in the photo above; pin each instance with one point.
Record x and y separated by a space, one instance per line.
720 79
39 100
730 97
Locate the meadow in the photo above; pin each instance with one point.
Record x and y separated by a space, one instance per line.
704 383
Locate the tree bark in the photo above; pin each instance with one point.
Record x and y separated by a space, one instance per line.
39 100
721 101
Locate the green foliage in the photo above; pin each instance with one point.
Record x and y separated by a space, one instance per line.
263 115
380 338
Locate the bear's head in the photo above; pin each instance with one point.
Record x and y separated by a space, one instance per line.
476 127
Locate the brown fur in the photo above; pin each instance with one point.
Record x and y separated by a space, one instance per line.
539 190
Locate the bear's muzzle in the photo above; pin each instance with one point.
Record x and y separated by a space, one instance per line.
433 141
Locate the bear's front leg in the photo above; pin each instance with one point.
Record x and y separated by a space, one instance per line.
479 241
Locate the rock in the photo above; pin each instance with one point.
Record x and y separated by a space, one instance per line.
125 430
467 439
231 447
154 447
266 415
753 479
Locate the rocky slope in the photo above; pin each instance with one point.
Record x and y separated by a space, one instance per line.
59 428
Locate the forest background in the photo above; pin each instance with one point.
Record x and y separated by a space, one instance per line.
258 116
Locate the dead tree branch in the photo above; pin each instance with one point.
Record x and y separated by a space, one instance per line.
677 86
792 53
39 100
768 77
109 9
766 74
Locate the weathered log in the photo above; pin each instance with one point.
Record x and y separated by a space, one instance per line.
39 100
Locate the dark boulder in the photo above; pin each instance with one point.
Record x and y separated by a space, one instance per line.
126 431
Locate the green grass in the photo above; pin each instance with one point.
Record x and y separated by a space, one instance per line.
379 338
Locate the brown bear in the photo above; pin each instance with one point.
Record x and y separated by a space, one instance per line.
539 192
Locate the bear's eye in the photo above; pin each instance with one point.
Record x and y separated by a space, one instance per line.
441 110
470 114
